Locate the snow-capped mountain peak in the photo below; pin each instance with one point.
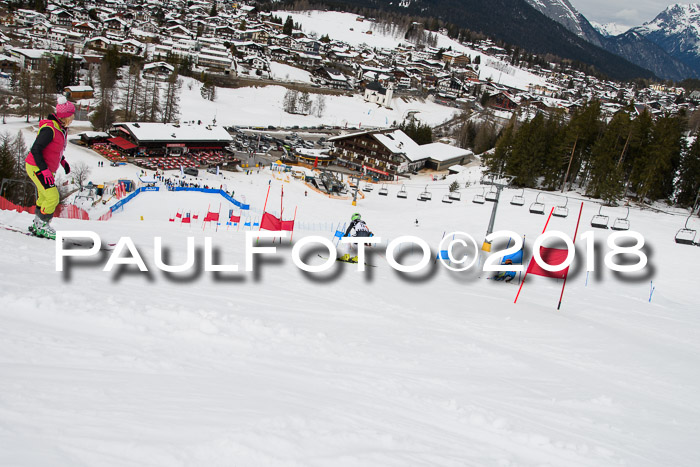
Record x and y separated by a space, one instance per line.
560 11
610 29
677 31
675 19
564 13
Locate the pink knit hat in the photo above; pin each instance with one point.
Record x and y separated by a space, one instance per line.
64 108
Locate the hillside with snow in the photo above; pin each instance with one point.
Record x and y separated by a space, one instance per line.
280 367
263 106
345 27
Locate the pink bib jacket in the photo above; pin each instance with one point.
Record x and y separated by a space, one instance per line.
53 152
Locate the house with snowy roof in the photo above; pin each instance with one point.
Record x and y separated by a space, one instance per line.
387 154
30 59
169 138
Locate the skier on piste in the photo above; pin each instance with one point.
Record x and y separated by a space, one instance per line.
42 162
357 228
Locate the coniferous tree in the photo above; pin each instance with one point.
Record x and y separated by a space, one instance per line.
581 134
660 170
529 144
8 167
606 180
639 152
288 26
689 175
496 162
551 159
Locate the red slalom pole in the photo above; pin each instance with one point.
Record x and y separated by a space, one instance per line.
567 269
528 264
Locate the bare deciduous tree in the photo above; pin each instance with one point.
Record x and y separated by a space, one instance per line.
80 172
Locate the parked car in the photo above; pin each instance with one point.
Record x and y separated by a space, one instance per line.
191 171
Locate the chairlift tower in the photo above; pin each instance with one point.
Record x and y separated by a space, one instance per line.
500 182
357 187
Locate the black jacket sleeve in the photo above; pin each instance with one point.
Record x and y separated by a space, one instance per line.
350 227
42 140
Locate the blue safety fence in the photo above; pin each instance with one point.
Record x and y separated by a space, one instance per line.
243 207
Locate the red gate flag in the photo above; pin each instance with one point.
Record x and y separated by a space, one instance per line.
553 257
270 222
211 217
287 225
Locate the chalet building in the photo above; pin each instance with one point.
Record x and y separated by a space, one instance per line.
78 92
61 17
387 154
85 28
456 59
8 65
98 43
116 25
502 101
28 17
279 54
225 33
30 59
41 28
168 138
131 47
159 69
332 77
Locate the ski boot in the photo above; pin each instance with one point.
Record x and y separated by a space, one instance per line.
41 227
353 259
345 258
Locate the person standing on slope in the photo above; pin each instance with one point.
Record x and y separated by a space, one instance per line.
357 228
44 157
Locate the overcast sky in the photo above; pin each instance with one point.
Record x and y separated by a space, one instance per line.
626 12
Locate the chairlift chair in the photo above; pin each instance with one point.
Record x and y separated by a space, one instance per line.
426 195
402 192
537 207
622 223
455 195
599 221
561 211
686 235
518 200
492 195
384 191
367 187
479 199
446 199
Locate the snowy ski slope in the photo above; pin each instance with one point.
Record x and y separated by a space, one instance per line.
285 368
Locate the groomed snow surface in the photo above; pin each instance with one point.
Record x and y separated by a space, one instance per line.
285 368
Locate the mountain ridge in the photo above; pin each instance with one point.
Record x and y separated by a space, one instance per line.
517 23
